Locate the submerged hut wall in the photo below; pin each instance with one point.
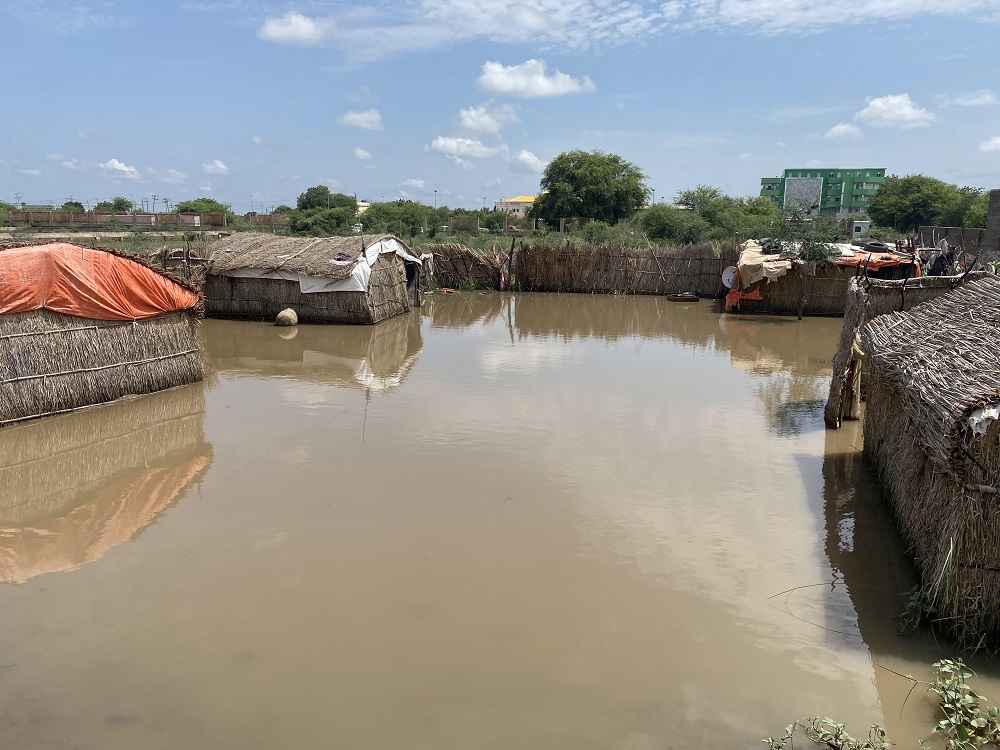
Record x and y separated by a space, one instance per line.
52 363
868 298
255 276
613 269
932 432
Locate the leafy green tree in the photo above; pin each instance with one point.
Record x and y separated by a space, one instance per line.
405 218
74 206
207 206
321 197
282 209
958 206
600 186
673 224
322 222
5 209
118 205
907 203
975 216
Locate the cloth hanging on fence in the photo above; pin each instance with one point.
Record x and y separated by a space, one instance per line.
86 283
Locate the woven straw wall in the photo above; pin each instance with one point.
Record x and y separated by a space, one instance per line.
51 363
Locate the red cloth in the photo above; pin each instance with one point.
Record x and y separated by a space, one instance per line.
85 283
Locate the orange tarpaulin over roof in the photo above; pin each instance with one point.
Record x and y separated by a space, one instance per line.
85 283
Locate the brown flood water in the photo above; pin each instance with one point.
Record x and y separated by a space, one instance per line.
528 521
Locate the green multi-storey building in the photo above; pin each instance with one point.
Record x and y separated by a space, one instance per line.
839 193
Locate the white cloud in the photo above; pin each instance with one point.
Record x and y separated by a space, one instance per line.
486 119
295 28
370 166
844 130
361 154
459 161
205 187
55 157
980 98
526 162
30 172
370 119
894 110
174 177
414 183
81 134
814 164
71 164
993 144
258 140
807 16
465 147
215 167
530 80
120 170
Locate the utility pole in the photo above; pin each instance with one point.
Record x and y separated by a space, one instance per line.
435 200
155 196
17 200
251 204
484 202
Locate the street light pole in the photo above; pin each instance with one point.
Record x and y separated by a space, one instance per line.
251 204
435 200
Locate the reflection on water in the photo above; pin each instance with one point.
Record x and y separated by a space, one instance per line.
372 358
553 521
78 485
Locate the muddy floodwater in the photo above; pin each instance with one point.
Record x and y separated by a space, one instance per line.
527 521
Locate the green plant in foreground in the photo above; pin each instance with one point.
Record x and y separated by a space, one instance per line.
967 723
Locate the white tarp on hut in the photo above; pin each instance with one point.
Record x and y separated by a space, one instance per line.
356 282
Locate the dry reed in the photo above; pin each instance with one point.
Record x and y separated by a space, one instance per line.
929 370
868 298
52 363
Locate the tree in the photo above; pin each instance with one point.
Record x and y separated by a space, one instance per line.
322 222
282 209
205 206
74 206
119 205
599 186
672 224
405 218
975 216
907 203
321 197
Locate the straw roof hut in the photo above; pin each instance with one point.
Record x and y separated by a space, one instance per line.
357 279
932 430
83 326
867 298
77 485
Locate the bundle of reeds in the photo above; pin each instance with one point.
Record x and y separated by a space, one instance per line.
867 298
929 371
615 269
52 363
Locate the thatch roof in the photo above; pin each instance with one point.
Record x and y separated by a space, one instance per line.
944 357
322 257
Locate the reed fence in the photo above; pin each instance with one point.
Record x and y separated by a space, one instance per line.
588 269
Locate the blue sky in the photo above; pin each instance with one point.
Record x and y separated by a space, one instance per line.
247 100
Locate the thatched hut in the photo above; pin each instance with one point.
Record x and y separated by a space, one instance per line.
77 485
867 298
82 326
932 431
359 279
